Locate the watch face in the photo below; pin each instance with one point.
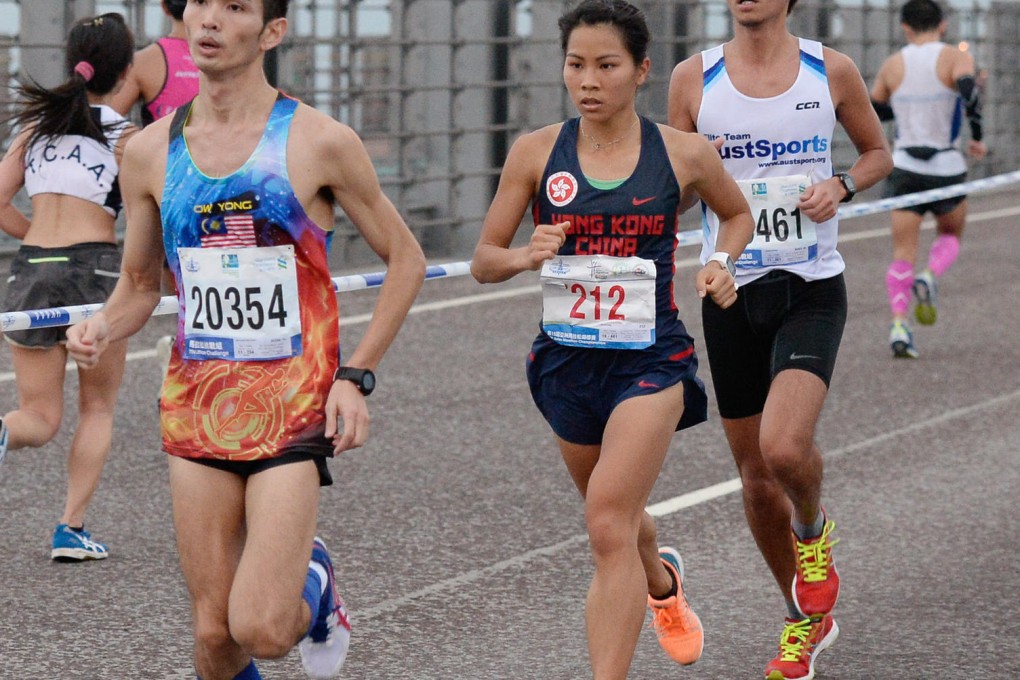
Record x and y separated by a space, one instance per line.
848 183
362 377
726 261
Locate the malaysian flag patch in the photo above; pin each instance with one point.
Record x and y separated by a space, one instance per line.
228 231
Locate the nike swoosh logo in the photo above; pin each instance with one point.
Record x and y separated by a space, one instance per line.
645 384
641 201
795 356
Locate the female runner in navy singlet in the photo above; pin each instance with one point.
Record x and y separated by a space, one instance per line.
613 369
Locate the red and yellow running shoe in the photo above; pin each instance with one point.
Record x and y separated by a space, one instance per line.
801 643
816 585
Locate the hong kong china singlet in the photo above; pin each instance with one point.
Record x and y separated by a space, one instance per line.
611 285
774 147
257 338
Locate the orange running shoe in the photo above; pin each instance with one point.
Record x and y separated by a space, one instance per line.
802 641
816 585
678 627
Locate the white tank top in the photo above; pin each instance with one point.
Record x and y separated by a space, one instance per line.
789 134
928 114
78 166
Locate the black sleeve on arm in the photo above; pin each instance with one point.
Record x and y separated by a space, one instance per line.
971 95
883 109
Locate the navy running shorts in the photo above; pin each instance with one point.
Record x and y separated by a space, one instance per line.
577 388
779 321
247 468
41 278
902 182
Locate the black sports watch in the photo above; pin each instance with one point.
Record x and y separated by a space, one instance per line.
363 378
848 184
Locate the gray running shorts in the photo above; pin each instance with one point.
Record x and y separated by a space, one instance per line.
41 278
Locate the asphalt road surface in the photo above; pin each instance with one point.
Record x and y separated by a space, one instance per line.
459 539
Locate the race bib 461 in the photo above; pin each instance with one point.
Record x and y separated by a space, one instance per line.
782 235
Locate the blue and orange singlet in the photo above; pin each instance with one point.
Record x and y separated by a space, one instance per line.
257 338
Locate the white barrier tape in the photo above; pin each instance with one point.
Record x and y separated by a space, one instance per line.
908 200
65 316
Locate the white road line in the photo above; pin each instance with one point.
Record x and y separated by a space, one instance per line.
661 509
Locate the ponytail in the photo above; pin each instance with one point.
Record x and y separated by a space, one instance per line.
99 50
85 70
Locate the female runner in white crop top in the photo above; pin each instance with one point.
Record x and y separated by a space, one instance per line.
67 158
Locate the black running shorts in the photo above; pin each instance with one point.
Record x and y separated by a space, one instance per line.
779 321
247 468
902 182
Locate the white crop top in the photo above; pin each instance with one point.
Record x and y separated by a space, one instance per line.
78 166
788 134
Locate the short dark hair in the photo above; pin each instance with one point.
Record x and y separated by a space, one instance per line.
271 9
921 15
175 8
274 9
625 17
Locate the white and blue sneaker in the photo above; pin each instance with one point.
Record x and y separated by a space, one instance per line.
324 649
901 340
70 545
3 442
926 290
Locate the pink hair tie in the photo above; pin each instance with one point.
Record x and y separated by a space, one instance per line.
85 70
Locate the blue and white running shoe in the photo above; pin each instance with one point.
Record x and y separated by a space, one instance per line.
76 546
901 340
324 649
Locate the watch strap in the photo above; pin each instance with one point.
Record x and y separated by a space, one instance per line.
848 185
363 378
725 260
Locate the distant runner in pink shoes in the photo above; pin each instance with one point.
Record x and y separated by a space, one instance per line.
927 88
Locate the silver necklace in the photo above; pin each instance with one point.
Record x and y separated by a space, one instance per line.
597 145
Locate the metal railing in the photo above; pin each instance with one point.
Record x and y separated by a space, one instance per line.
438 89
